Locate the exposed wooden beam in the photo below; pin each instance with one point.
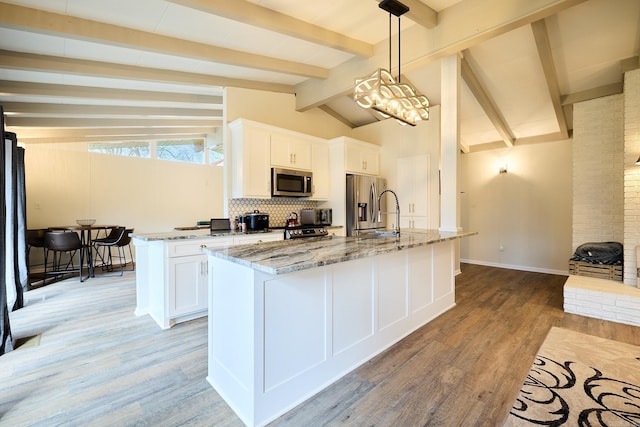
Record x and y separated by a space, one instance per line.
541 37
551 137
461 26
333 113
486 102
93 122
259 16
33 62
70 139
420 13
20 17
597 92
44 109
8 87
112 133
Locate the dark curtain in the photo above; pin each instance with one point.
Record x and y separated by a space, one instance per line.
6 340
17 231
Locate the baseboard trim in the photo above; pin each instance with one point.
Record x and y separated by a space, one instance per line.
517 267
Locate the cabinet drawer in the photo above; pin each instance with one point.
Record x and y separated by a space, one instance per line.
195 247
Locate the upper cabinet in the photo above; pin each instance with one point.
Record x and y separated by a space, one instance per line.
360 157
290 151
320 168
257 147
250 153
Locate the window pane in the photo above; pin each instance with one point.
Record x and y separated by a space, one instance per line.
216 155
130 149
190 150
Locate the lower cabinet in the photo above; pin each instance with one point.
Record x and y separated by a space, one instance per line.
172 275
187 285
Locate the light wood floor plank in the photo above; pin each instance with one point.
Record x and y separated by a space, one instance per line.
98 364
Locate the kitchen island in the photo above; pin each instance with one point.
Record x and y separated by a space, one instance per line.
287 319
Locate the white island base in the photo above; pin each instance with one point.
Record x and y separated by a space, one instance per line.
276 340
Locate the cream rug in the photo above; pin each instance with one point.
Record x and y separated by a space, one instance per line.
580 380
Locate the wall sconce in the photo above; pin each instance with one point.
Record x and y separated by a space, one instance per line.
638 161
503 168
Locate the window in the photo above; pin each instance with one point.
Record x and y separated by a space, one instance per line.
129 149
216 155
190 150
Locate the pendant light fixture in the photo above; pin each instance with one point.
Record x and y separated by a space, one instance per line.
386 95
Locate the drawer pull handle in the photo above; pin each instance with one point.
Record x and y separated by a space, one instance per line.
203 246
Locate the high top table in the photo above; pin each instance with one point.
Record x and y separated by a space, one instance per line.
86 239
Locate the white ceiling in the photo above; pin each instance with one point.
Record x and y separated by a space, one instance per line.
591 42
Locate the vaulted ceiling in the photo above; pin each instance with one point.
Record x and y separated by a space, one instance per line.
90 70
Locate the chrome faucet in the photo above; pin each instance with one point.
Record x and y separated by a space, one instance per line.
396 230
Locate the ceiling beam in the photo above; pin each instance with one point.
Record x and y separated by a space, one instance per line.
45 109
461 26
486 102
333 113
47 122
420 13
9 88
112 133
71 139
56 64
551 137
24 18
259 16
541 37
596 92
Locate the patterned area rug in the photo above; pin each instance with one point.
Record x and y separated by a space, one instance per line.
580 380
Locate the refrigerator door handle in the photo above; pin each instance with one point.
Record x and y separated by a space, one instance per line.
372 203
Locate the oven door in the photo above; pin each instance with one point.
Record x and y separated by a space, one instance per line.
291 183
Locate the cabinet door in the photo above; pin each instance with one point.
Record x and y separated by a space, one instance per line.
420 186
250 157
187 285
290 151
353 158
371 161
361 159
320 168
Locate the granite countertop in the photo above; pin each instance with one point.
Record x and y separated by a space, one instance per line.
193 234
300 254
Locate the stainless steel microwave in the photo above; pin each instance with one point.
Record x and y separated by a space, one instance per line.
291 183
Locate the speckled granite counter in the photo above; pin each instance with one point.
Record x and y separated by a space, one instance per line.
193 234
302 254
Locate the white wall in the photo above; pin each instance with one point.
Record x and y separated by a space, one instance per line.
65 183
397 141
528 210
278 109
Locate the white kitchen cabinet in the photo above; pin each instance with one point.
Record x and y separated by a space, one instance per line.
320 168
250 154
361 157
256 147
290 151
413 191
171 274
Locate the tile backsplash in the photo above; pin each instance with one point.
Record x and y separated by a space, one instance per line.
278 209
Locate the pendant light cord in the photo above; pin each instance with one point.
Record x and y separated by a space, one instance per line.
399 73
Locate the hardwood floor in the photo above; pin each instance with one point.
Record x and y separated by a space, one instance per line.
98 364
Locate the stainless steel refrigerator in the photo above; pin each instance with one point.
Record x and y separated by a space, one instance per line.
362 204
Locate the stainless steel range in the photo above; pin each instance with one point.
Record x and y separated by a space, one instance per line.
303 231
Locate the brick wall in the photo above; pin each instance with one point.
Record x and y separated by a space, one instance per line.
598 195
631 174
